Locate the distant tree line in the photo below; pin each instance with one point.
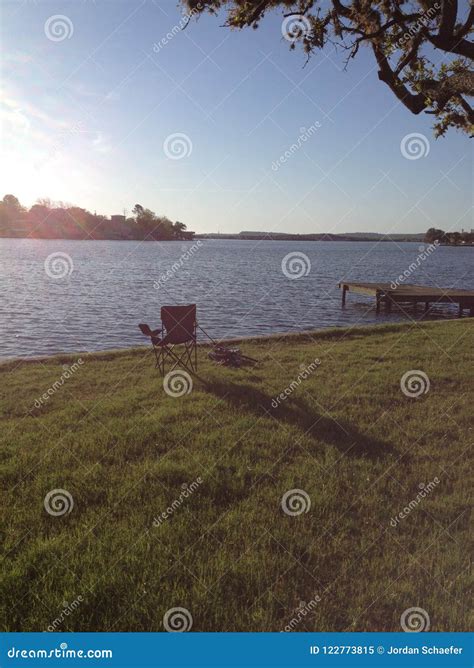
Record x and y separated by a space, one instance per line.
56 220
449 238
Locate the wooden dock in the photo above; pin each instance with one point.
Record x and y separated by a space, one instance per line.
386 294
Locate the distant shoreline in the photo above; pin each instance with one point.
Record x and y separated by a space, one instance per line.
356 236
236 237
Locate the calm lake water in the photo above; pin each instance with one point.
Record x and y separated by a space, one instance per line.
239 286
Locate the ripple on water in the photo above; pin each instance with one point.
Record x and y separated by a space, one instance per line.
239 287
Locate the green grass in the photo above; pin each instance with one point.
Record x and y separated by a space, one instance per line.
347 436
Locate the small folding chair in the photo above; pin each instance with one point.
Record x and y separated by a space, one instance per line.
179 328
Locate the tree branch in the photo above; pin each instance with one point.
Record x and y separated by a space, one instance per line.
411 54
453 45
415 103
467 108
341 9
464 30
398 39
449 12
452 86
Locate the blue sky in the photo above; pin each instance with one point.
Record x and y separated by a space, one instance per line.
90 119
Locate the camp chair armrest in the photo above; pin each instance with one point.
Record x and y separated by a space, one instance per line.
154 332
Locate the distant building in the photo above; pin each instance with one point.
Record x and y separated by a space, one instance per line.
117 219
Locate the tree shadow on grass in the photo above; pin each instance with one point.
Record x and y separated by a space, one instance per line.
293 411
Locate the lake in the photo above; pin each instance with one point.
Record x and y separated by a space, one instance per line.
67 296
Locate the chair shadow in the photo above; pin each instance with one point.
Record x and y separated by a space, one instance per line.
293 411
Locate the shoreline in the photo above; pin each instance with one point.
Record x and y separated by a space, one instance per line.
336 333
210 237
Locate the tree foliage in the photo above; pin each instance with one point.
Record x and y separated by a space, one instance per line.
421 47
50 220
449 238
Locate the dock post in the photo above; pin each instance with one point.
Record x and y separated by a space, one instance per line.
460 310
427 306
377 302
344 290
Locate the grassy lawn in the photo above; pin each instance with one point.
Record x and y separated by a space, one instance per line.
356 446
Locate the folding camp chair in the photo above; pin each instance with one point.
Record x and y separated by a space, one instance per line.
179 329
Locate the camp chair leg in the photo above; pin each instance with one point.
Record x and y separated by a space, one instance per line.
187 358
160 359
191 354
157 357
